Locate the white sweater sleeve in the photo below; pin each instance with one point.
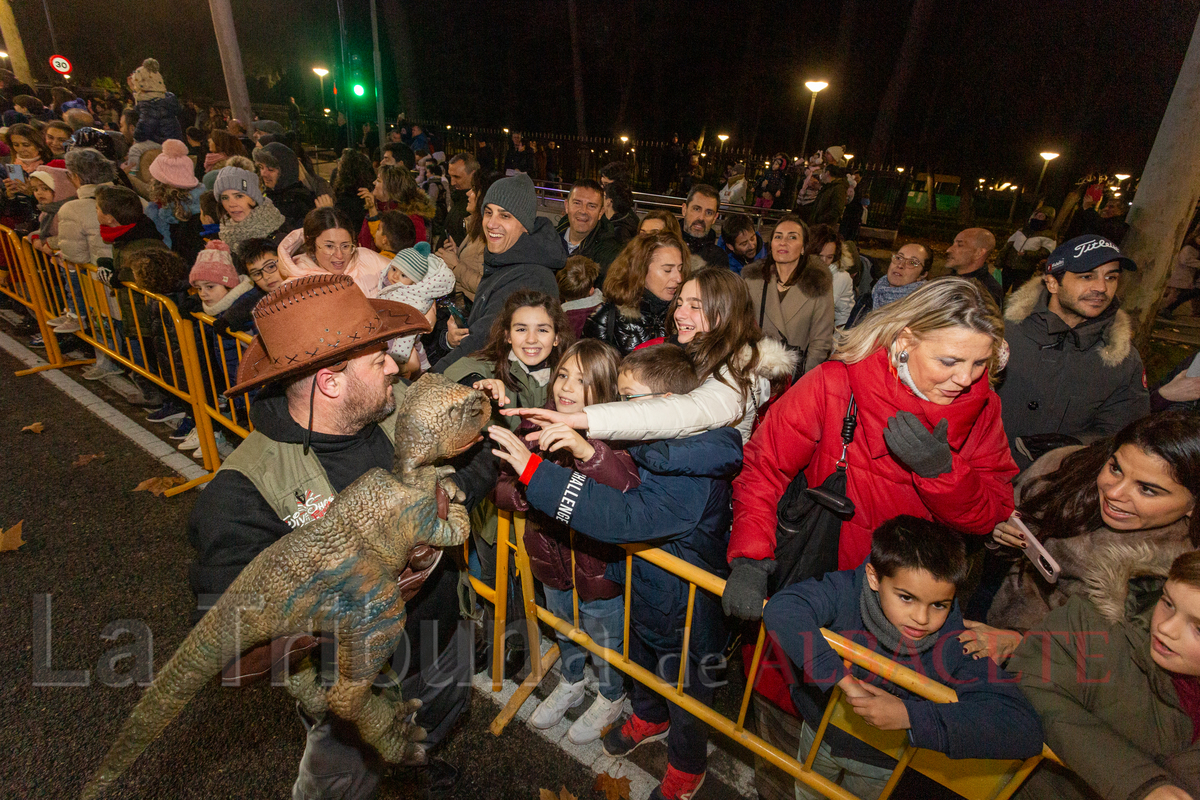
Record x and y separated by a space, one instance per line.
843 297
712 405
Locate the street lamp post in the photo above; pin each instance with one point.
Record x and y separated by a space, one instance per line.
321 73
1046 159
814 87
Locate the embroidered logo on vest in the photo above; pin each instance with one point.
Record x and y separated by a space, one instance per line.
312 507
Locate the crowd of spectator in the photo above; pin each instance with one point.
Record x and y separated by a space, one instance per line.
680 377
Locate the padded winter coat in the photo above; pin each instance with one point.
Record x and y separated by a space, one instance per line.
625 328
365 265
681 506
803 432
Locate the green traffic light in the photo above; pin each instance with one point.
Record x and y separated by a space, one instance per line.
359 90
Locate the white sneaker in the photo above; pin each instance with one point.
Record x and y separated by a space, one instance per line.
551 710
600 714
59 320
191 442
224 448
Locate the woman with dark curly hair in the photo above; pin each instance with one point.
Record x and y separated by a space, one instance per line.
354 172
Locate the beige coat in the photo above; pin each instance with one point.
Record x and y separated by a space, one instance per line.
802 317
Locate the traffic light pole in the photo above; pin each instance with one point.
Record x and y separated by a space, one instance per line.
378 80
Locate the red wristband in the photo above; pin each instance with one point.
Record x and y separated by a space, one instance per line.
530 468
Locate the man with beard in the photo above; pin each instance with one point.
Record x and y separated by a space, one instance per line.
585 229
700 211
741 242
1073 373
323 418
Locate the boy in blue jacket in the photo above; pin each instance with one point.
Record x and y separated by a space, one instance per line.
901 604
681 506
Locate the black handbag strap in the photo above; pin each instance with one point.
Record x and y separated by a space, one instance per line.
849 423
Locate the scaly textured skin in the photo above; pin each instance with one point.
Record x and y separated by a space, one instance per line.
336 575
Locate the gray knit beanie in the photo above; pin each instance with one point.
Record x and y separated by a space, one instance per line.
238 180
516 196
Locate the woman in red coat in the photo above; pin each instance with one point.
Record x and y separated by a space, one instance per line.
929 440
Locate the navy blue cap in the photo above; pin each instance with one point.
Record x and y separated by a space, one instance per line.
1084 254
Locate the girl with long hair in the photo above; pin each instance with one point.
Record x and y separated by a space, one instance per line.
561 560
712 320
222 146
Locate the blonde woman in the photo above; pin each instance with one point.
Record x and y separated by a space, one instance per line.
929 441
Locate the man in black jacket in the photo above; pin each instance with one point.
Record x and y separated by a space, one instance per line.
321 421
461 168
280 172
700 211
967 257
585 229
1073 374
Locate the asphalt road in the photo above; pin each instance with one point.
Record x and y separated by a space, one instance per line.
103 553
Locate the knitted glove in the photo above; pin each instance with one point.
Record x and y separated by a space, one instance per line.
746 587
220 325
925 453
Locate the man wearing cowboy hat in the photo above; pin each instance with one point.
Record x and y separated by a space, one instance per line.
322 418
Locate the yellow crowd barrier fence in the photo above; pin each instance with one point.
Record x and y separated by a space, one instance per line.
974 779
142 331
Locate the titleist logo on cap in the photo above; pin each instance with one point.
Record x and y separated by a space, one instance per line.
1085 247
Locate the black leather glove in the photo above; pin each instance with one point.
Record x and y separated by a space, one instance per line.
220 325
925 453
746 587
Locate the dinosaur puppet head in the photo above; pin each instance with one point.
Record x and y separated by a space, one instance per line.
438 419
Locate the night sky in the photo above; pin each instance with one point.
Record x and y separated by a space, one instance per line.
994 83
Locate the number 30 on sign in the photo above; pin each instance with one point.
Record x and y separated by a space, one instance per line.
60 64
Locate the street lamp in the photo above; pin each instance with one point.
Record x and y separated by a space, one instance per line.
1046 159
814 87
1121 178
321 73
624 140
900 170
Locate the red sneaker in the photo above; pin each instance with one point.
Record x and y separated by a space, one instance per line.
677 785
633 733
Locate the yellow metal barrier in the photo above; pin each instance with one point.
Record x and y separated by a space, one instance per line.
52 291
219 373
972 778
22 281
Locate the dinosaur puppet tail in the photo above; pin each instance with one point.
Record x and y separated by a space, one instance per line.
197 660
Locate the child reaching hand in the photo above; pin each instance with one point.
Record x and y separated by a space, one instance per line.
586 374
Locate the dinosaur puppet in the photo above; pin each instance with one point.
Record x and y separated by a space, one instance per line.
338 575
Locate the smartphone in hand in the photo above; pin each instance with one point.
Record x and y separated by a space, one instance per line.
1035 552
15 172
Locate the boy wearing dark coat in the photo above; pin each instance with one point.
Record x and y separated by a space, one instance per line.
682 506
901 603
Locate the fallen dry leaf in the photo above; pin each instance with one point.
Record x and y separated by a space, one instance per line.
86 459
546 794
11 538
156 486
613 788
36 427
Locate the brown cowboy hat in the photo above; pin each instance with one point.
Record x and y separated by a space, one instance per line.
315 321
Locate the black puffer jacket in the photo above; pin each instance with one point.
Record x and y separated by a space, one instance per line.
294 202
625 328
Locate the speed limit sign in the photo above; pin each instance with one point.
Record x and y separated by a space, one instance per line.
60 64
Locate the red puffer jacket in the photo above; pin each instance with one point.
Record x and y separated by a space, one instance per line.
803 432
548 542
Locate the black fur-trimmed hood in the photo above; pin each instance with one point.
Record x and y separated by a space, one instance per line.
1116 333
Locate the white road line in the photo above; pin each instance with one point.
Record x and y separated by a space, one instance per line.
143 438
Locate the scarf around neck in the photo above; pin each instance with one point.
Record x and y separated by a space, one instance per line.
540 373
264 220
884 293
887 634
110 233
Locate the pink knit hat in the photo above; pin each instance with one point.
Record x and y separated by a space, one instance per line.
214 265
173 167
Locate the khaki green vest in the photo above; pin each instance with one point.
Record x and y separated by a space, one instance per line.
295 485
